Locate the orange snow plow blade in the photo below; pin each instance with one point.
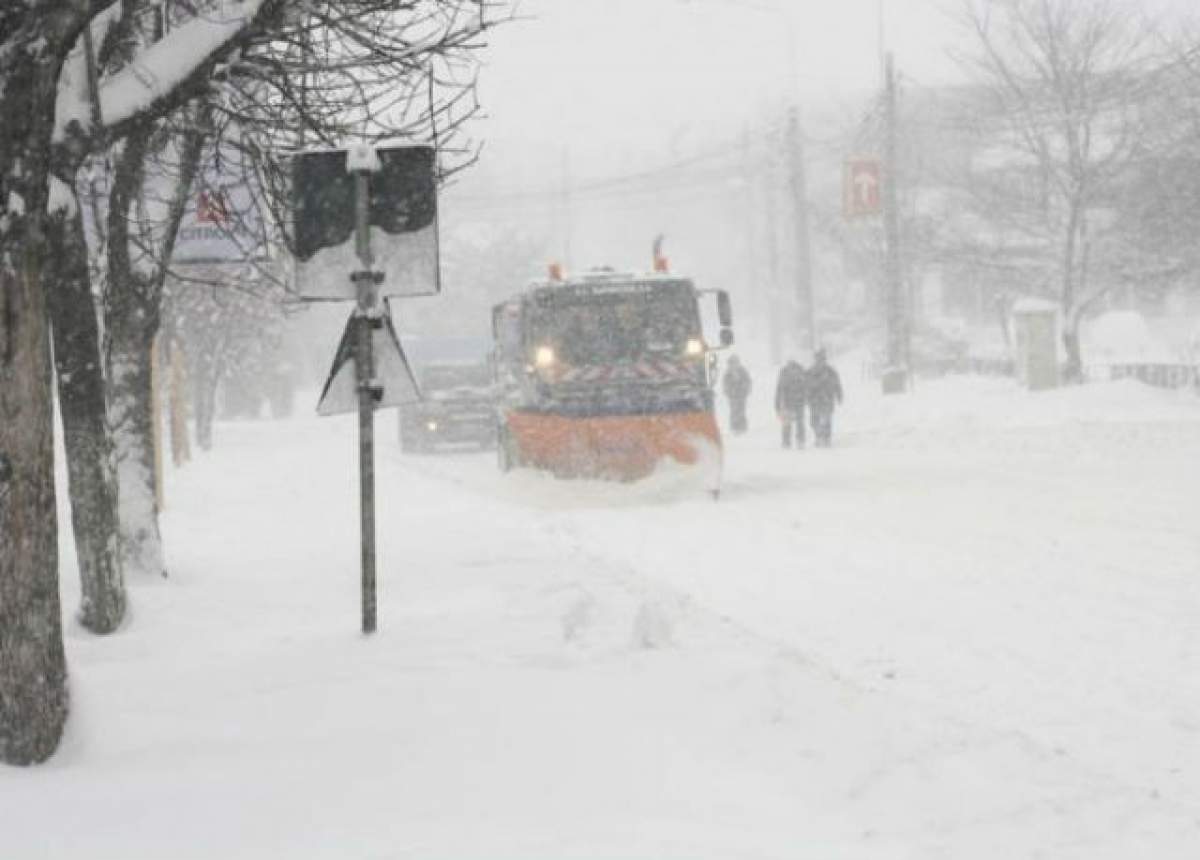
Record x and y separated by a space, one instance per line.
622 447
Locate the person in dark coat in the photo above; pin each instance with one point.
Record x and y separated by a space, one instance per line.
824 394
791 392
736 385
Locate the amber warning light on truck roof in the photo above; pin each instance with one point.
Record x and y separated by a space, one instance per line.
661 264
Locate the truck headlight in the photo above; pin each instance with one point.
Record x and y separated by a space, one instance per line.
544 357
694 346
431 426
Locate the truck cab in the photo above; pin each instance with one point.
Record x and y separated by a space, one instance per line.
606 375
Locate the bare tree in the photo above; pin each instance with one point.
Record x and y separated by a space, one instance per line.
1160 215
229 323
254 54
141 88
91 467
1064 87
365 70
34 40
139 247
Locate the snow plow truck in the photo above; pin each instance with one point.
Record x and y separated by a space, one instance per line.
608 375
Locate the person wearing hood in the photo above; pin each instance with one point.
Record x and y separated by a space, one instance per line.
824 394
790 396
736 385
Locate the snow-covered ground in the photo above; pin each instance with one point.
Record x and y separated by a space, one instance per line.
971 630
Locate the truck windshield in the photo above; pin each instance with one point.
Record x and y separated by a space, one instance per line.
618 327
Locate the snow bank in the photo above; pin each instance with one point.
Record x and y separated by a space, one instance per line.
957 404
1122 337
981 647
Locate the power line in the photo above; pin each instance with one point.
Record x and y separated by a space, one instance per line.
648 181
596 185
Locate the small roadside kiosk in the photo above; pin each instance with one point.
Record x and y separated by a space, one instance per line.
1035 341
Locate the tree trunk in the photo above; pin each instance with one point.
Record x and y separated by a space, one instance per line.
1073 371
91 468
1003 309
181 449
204 380
33 671
132 317
132 404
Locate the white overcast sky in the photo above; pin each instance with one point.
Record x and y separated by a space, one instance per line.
615 84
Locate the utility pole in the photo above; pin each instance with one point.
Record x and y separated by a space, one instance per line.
567 225
774 316
895 375
757 284
881 35
806 313
804 318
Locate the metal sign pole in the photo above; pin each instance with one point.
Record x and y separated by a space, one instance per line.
365 371
333 195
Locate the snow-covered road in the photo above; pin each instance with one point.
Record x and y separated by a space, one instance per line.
972 630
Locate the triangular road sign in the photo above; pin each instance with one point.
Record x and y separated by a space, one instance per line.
392 371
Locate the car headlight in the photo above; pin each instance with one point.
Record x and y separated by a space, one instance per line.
431 426
544 357
694 346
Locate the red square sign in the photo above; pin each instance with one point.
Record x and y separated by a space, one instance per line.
862 191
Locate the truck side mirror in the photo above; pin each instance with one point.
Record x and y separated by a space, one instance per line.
724 312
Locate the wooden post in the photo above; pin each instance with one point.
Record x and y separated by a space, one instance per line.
180 448
156 421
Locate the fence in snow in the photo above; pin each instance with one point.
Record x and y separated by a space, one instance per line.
1158 374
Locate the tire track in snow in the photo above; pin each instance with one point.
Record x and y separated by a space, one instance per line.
643 582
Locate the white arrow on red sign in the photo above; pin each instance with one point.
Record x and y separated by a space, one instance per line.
863 186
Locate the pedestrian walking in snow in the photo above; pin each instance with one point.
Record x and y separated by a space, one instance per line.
736 385
790 396
824 394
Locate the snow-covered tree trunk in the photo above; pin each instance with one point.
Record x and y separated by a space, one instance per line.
132 408
205 378
91 468
1073 370
1071 274
33 673
132 316
33 693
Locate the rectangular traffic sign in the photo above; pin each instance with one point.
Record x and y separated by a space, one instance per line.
862 191
402 217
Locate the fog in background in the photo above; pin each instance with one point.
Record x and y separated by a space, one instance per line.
606 123
609 123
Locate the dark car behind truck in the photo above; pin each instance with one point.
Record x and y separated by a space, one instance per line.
457 409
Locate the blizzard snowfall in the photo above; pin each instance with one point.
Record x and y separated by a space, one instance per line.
970 630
